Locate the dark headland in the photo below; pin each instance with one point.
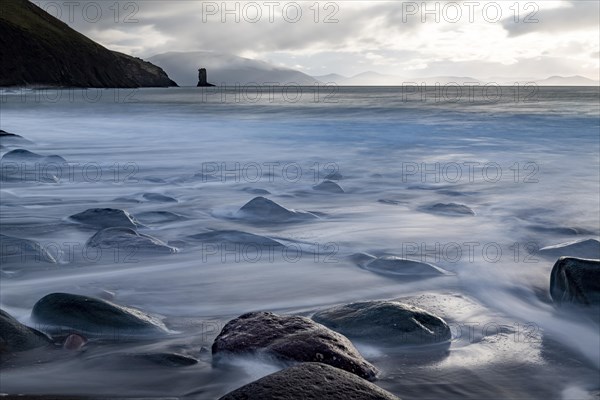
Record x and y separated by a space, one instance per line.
37 49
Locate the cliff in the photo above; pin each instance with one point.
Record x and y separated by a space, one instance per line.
37 49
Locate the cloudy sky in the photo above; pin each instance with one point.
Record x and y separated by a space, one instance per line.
482 39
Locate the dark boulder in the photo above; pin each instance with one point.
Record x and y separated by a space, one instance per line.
263 210
129 241
310 381
14 336
105 218
94 317
385 322
236 237
290 338
329 187
159 198
575 281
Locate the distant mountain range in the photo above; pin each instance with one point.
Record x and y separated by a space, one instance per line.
37 49
231 70
226 69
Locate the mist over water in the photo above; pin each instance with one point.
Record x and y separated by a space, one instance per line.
529 171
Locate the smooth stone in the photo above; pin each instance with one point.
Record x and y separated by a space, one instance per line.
333 176
310 381
290 338
261 209
586 248
236 237
329 187
19 250
128 239
20 155
74 342
555 230
385 322
159 198
450 209
159 217
575 281
4 134
392 265
105 218
15 337
93 317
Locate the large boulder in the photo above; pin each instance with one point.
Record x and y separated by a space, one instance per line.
290 338
385 323
129 241
14 336
94 317
263 210
575 281
310 381
586 248
105 218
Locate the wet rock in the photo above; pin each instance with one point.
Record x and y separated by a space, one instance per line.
399 266
385 322
263 210
159 217
329 187
22 155
17 250
236 237
391 202
556 230
575 281
159 198
14 336
74 342
333 176
127 239
311 381
105 218
587 248
454 209
93 317
166 359
4 134
290 338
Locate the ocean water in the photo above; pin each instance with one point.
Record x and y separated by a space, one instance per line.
525 161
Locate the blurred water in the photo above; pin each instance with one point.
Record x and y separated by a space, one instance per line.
520 163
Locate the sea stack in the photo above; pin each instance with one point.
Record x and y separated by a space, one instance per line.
202 78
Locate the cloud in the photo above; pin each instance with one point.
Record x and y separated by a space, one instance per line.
572 16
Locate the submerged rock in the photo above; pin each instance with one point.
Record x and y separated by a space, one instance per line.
22 155
311 381
263 210
392 265
105 218
385 322
329 187
257 191
159 198
290 338
449 209
17 250
94 317
587 248
128 239
333 176
14 336
159 217
575 281
236 237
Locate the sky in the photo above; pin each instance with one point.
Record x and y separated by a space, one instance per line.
481 39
